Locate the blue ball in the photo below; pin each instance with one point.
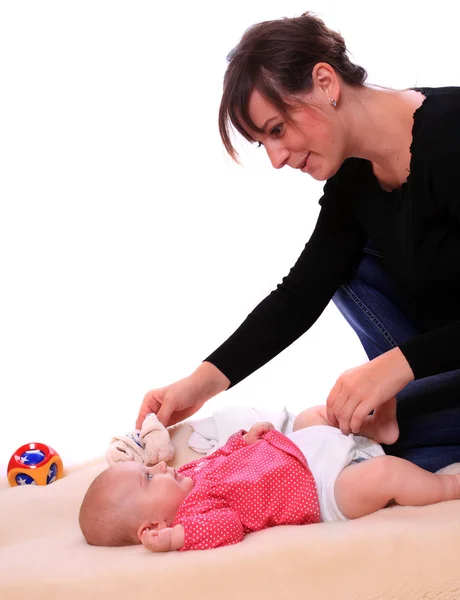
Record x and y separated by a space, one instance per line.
51 474
32 457
24 479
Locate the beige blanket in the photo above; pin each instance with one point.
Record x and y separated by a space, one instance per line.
398 553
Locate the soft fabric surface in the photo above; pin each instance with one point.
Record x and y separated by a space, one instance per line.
398 553
212 432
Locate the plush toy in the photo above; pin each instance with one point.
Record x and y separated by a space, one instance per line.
157 443
34 464
149 445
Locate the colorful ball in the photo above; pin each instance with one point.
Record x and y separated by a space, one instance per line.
34 464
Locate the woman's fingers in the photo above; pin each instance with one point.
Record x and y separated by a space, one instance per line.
361 411
346 404
149 404
332 404
347 413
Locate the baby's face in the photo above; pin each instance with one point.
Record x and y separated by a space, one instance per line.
159 489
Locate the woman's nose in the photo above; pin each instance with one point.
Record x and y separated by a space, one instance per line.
278 157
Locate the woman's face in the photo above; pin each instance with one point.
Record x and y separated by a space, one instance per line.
313 143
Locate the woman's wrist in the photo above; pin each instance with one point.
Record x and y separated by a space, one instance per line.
209 380
399 366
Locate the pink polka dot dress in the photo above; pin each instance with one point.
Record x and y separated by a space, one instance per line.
242 488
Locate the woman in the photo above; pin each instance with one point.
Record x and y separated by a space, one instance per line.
386 247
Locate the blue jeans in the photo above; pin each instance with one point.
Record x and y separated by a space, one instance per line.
428 409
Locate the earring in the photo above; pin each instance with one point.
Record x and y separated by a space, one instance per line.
333 102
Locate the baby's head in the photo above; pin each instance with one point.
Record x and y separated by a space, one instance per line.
128 498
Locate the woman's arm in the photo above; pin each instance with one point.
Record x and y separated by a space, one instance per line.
434 352
291 309
282 317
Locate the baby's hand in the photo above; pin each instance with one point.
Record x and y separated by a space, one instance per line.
257 431
163 539
157 540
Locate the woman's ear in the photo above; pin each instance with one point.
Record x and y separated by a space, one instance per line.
325 80
150 525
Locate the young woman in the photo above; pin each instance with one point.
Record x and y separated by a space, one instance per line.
386 247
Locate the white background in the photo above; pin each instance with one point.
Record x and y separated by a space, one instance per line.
130 245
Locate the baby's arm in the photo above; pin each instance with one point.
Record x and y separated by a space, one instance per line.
163 540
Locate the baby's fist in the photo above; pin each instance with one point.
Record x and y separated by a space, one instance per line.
157 540
257 431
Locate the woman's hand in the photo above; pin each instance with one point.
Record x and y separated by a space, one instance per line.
171 404
183 398
257 431
359 391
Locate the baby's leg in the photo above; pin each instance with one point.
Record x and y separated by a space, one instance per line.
365 487
316 415
381 426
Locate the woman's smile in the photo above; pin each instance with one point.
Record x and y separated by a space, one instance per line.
304 166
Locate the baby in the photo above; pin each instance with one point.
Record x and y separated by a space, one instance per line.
256 480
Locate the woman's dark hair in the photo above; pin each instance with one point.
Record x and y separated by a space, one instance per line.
277 58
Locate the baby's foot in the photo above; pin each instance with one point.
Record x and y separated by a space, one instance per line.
386 432
457 487
382 426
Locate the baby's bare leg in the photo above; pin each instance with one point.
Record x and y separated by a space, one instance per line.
316 415
365 487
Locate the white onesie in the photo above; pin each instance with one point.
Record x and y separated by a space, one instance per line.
328 451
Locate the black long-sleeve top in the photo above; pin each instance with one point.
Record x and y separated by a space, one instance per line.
415 227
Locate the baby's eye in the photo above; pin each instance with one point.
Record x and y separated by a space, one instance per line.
149 476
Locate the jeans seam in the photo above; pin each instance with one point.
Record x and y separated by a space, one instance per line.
371 316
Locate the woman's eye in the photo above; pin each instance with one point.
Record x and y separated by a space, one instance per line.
259 144
276 131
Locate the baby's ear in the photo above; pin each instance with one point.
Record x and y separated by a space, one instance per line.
150 526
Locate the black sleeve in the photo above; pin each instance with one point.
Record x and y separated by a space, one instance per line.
291 309
434 352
